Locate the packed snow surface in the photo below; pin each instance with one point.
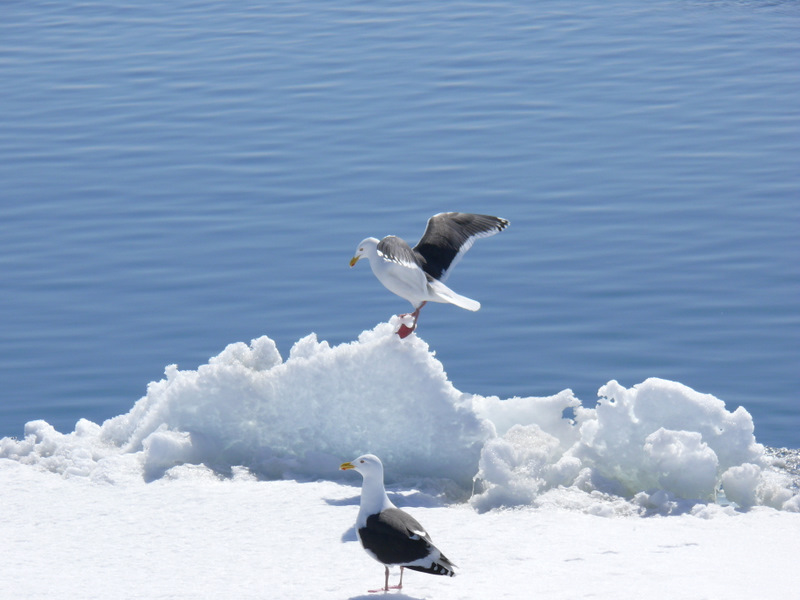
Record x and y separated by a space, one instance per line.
223 482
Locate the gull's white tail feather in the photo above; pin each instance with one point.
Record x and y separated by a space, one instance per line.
443 293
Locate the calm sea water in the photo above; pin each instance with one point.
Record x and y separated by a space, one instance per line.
175 177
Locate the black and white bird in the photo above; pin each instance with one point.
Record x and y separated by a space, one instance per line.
418 274
389 535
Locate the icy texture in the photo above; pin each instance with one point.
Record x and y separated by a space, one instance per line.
660 442
656 447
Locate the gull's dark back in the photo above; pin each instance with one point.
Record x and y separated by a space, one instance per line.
394 537
396 249
448 236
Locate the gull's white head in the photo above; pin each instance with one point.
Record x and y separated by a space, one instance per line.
365 248
367 465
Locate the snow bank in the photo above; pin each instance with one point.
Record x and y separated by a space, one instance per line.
658 446
660 443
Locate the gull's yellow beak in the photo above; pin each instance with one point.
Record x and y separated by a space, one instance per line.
346 466
354 260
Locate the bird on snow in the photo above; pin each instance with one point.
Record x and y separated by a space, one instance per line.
418 274
389 535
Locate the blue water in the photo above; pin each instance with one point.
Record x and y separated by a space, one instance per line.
175 177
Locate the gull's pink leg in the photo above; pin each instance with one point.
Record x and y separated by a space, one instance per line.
399 586
385 585
404 331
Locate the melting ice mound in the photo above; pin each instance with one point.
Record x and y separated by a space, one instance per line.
658 446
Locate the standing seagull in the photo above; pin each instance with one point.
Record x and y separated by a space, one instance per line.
418 274
388 534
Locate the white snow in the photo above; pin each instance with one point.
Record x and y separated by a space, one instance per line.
223 482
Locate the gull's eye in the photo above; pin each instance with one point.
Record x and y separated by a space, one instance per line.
363 461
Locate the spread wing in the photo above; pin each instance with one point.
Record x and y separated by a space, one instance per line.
447 238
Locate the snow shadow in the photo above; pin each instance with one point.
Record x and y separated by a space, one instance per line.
393 595
414 499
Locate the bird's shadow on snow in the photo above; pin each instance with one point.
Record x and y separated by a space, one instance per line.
350 535
415 499
393 595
